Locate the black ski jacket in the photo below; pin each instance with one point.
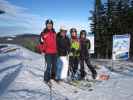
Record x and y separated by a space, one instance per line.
63 45
84 48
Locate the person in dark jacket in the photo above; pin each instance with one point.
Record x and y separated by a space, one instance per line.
74 53
63 47
49 47
84 55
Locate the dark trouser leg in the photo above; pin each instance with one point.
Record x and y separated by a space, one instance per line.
82 70
92 69
70 66
53 70
47 73
75 67
73 63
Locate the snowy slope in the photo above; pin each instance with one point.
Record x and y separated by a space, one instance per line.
21 78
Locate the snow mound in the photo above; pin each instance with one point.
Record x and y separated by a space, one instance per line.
21 78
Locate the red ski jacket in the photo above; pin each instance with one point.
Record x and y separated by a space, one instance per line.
48 45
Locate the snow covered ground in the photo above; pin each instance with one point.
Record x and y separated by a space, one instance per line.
21 78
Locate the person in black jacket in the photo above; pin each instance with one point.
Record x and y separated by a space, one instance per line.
63 47
84 55
63 42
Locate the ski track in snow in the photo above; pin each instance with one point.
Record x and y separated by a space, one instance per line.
21 78
8 79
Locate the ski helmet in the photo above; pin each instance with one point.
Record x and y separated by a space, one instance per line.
49 21
74 36
73 30
83 32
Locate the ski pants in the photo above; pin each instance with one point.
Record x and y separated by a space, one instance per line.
73 63
50 73
82 69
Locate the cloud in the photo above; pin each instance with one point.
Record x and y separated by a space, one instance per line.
17 20
15 15
10 8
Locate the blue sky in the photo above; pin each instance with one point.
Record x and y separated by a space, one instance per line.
28 16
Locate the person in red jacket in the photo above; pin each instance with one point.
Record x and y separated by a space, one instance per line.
49 47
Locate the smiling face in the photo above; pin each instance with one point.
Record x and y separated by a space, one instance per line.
83 36
63 33
74 33
49 26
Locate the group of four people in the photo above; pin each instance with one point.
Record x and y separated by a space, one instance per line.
64 54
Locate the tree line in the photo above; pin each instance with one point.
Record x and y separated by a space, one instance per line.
113 17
